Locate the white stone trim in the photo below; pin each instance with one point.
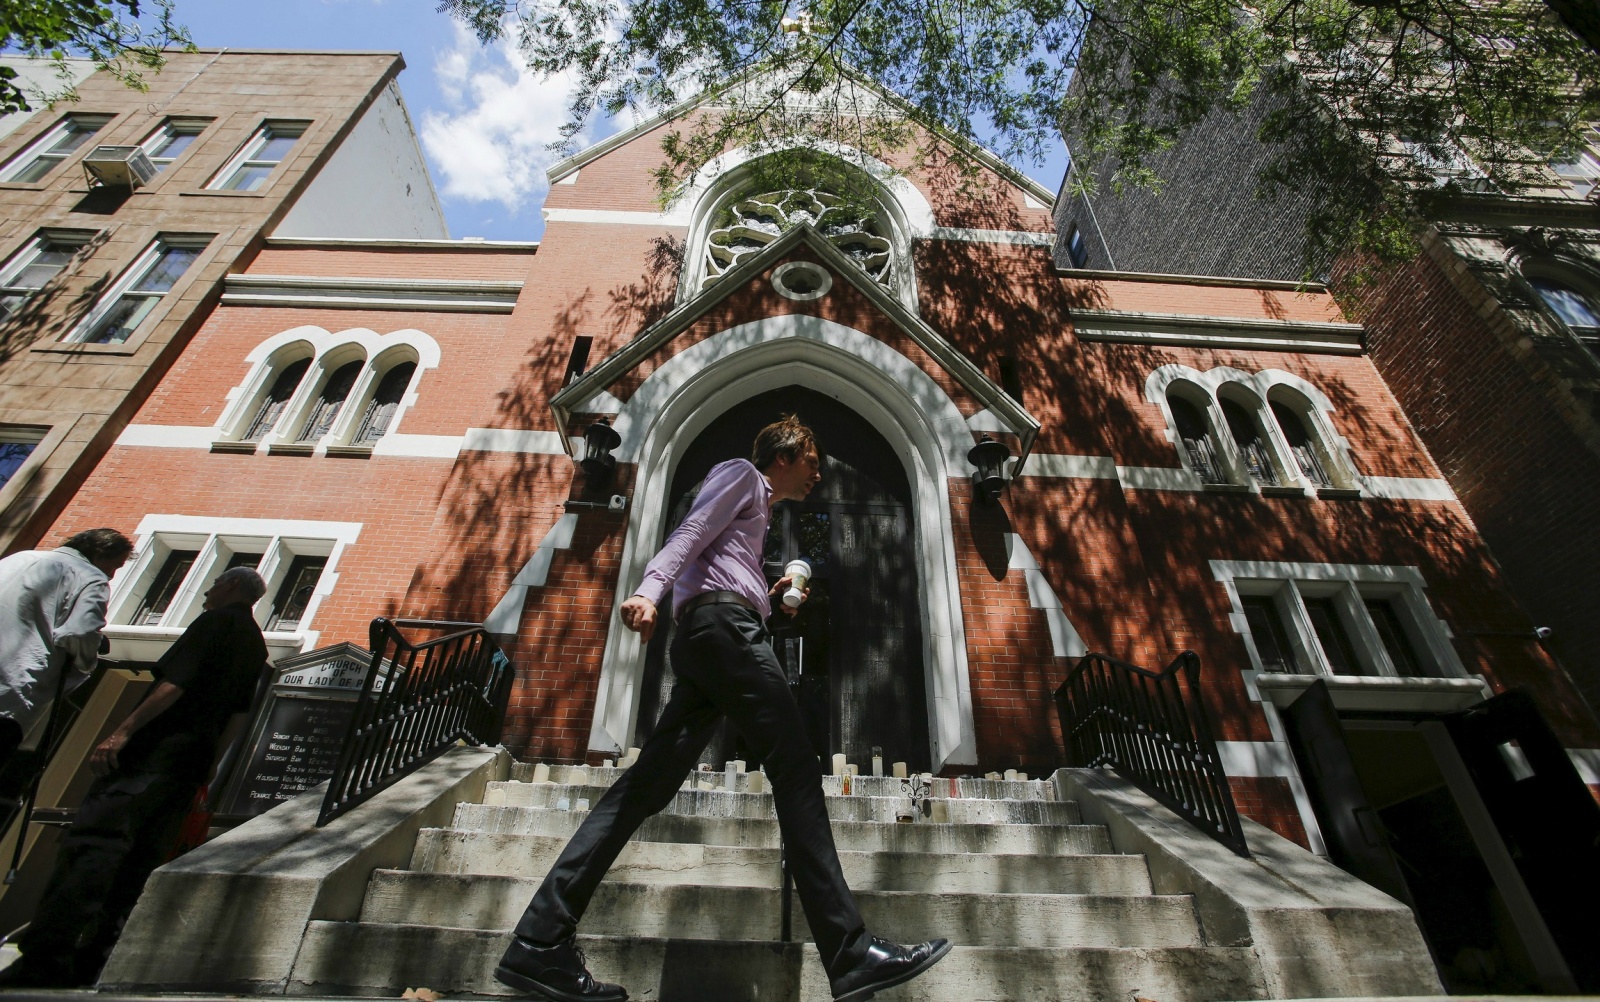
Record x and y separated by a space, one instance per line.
676 217
418 446
1063 465
547 443
697 385
1158 478
1204 330
1256 758
168 436
507 612
1587 762
322 292
1064 639
1016 238
1408 488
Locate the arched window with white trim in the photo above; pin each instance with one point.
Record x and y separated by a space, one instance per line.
330 400
384 402
1254 450
1195 435
1312 457
266 414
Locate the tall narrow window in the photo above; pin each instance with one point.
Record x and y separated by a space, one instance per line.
294 595
385 401
330 401
1331 635
1393 637
165 587
1197 441
1252 444
277 398
250 560
47 153
132 299
38 262
1010 381
255 161
578 361
1077 250
1302 445
169 142
1272 640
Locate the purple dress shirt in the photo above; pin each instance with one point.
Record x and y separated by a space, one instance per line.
720 544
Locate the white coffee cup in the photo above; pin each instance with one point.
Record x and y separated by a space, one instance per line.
798 572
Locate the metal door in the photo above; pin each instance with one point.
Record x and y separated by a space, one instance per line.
1352 830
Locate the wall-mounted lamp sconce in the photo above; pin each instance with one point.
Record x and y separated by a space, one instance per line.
598 463
989 459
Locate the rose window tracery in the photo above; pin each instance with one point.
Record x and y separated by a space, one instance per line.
746 226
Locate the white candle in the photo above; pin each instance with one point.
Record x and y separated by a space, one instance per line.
758 782
730 778
1022 777
838 765
738 764
563 804
608 763
541 773
583 803
991 775
877 765
899 770
1011 775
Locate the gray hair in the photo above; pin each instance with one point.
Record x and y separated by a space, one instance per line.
245 581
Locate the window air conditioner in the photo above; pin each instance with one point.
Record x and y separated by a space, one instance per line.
118 167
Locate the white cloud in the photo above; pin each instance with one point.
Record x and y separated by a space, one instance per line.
490 140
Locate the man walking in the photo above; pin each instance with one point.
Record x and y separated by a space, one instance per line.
149 770
725 668
52 608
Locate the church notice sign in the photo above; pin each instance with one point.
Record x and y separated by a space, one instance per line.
298 730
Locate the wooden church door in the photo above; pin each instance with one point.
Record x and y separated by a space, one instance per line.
854 654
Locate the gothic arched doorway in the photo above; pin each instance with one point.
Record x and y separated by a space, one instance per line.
854 654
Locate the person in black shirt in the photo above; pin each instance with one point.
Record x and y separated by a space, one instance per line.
148 770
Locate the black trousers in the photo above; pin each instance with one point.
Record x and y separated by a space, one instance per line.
125 827
725 667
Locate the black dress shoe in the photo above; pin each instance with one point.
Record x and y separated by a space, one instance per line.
885 966
554 972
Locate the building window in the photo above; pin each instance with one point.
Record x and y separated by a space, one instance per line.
39 159
16 445
139 291
276 400
294 595
1582 172
1338 619
258 157
1580 312
385 401
172 140
1077 248
1198 445
1303 446
165 587
42 259
578 360
330 401
1253 448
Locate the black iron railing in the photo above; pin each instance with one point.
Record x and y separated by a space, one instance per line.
1152 733
418 700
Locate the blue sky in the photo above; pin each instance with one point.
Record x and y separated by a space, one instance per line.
484 123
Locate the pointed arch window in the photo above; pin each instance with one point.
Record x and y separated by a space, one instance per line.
330 401
1198 444
1253 448
1305 448
385 401
277 399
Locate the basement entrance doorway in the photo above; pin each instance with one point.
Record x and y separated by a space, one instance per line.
854 653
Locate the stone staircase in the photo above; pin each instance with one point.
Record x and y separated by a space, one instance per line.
1037 904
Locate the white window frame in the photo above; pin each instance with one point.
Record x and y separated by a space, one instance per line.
264 133
279 541
29 252
39 148
173 127
130 277
328 352
1582 172
16 434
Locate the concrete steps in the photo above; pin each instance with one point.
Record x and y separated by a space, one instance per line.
371 959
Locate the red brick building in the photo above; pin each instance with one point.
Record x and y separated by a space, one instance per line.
388 427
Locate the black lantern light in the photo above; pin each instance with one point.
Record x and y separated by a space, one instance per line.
989 459
598 463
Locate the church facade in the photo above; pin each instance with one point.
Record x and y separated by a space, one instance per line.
391 427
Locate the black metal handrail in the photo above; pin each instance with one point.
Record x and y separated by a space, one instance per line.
1146 728
417 701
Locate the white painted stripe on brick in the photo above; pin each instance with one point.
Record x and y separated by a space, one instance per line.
1255 758
1062 465
513 440
1158 478
419 446
169 436
1587 762
1407 488
616 217
507 612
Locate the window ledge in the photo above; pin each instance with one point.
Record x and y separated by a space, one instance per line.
1282 491
1339 493
1365 692
350 451
236 447
224 193
148 643
291 449
1227 488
